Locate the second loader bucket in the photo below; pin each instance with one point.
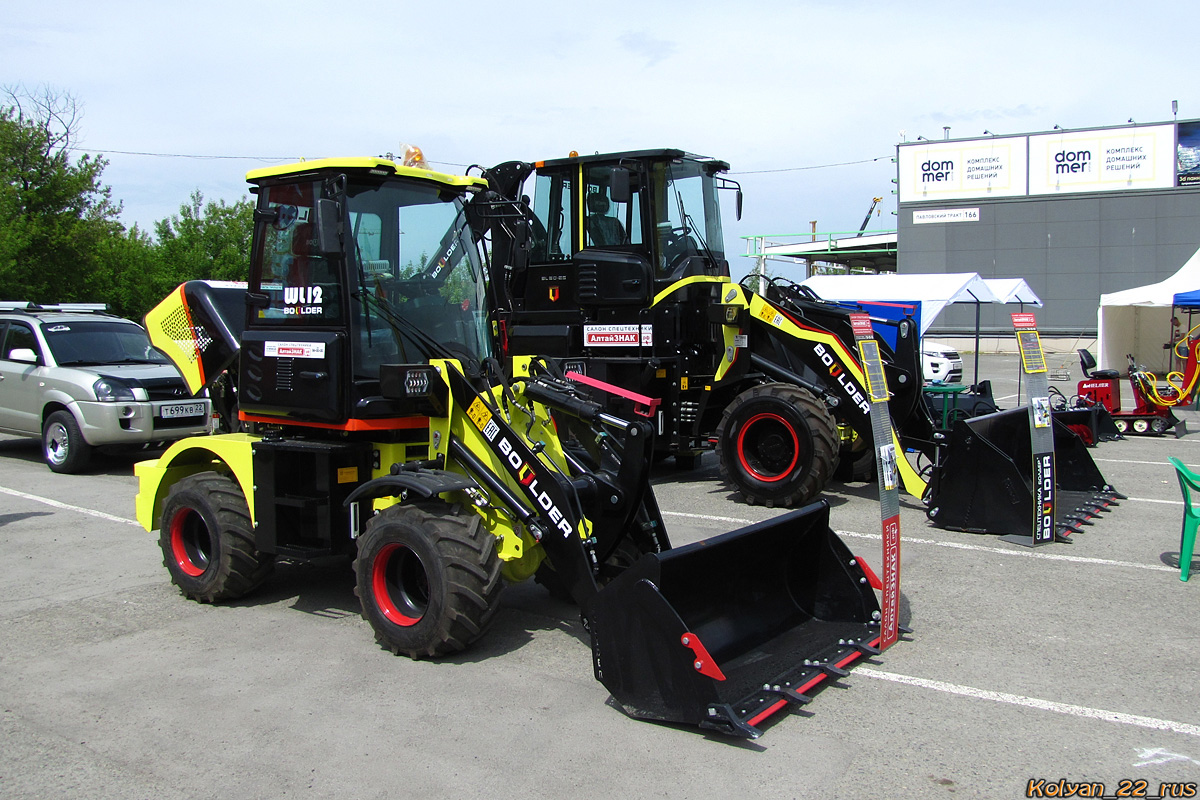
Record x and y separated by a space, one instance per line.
983 482
724 632
1092 424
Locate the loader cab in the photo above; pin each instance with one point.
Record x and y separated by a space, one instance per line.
356 263
657 208
609 232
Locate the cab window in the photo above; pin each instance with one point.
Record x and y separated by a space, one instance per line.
552 219
299 282
609 222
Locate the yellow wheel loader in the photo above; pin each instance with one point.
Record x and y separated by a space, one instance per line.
375 423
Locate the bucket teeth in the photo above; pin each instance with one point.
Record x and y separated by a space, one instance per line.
832 671
789 694
866 649
723 719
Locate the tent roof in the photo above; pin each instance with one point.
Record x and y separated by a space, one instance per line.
1188 299
1187 279
1013 290
933 290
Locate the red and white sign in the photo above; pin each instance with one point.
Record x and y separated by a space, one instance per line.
617 335
890 627
1024 320
294 349
861 325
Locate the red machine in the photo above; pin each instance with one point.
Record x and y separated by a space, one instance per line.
1151 413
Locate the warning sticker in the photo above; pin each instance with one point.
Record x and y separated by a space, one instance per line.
479 413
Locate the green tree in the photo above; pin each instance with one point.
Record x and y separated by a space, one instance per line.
55 214
207 241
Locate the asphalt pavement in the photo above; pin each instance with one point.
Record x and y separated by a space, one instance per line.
1026 667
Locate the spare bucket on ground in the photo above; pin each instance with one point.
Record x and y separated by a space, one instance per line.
725 632
983 482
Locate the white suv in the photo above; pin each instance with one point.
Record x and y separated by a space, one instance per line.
941 363
79 378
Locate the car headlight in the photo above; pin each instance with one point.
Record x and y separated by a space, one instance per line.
109 390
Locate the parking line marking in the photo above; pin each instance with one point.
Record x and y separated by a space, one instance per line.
54 503
1107 562
1033 702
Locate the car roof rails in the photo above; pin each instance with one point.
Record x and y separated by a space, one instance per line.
68 308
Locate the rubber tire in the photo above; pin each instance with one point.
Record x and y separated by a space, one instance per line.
1122 425
855 465
207 540
780 412
428 579
63 446
1141 426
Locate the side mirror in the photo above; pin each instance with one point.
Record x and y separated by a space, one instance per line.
738 205
329 217
23 354
619 186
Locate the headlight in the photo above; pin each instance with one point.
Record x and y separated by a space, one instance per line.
109 390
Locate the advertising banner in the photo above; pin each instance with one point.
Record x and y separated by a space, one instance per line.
992 167
1187 153
1102 160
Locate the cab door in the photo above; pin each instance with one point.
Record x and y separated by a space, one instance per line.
20 381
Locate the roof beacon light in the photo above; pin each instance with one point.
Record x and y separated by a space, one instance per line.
413 157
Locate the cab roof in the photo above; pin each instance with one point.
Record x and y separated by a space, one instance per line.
381 167
660 154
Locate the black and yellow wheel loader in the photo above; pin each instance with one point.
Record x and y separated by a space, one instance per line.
621 274
617 270
377 424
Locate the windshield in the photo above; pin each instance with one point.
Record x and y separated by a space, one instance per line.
77 344
420 279
687 216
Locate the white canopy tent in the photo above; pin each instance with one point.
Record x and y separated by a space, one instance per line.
1138 321
934 291
1013 290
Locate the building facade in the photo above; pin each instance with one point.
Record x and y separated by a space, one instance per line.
1075 213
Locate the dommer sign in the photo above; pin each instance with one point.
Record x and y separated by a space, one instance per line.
1105 160
993 167
1109 159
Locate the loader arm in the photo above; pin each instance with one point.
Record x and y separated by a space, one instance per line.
789 342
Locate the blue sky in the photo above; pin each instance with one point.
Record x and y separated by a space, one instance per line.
805 100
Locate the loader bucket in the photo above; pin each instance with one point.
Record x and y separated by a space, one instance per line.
1092 424
984 480
725 632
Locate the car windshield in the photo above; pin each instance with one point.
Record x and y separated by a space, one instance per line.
89 343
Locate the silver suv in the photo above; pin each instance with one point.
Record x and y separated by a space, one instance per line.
80 378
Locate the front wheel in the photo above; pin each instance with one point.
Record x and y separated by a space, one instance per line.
428 579
207 539
63 446
777 444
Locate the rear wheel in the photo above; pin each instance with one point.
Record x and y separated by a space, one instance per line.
777 445
63 446
207 539
428 579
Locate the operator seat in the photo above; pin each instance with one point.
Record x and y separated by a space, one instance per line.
1088 364
603 229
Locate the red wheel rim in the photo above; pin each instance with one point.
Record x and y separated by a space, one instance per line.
190 542
400 585
760 434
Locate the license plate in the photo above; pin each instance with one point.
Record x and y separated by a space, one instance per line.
181 410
